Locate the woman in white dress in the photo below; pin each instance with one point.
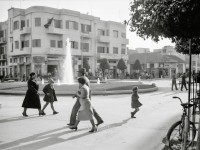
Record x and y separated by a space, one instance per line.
85 111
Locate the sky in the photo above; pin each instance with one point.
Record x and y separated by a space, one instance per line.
113 10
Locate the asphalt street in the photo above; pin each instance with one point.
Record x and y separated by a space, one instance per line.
119 131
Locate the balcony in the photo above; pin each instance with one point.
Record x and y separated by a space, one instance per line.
2 40
124 56
52 30
103 39
56 51
2 57
23 51
124 41
25 30
86 35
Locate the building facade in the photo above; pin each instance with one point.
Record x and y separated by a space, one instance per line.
37 40
3 48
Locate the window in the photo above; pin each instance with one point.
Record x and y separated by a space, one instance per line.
37 22
115 33
85 47
71 25
10 60
52 43
27 22
123 51
74 44
37 43
15 60
21 59
22 45
101 32
57 23
16 44
100 49
115 50
16 25
22 24
26 43
85 28
112 61
123 35
28 59
60 44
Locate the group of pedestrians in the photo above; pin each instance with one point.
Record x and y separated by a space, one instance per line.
82 109
183 81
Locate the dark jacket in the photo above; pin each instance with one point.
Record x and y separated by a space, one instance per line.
48 90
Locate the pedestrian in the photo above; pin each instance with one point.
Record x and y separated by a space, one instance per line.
174 81
183 82
135 104
50 96
85 111
77 103
32 98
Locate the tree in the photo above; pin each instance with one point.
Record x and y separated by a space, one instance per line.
174 19
121 65
177 20
104 65
137 65
86 64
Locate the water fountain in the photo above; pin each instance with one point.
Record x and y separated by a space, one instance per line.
98 81
42 81
68 71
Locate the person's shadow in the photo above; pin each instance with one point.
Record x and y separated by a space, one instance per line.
45 139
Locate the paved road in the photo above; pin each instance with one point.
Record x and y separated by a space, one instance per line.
119 131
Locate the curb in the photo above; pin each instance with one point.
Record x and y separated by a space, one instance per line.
70 93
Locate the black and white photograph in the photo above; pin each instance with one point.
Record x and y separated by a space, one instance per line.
99 75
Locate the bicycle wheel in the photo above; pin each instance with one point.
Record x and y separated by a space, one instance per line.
174 135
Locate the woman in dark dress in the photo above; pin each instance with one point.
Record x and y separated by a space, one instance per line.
50 96
32 98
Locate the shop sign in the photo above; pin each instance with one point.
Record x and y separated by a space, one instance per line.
38 59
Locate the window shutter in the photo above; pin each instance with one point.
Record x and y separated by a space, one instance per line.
76 45
107 32
67 24
89 28
75 25
82 28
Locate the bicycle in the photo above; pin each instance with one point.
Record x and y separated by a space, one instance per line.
181 133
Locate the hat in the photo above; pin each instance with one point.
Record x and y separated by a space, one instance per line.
50 81
82 70
135 88
32 74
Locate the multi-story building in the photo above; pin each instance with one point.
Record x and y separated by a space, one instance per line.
3 48
37 40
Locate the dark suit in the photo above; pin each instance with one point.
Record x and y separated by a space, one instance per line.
183 82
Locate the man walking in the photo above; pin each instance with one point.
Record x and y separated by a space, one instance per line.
183 82
174 81
77 104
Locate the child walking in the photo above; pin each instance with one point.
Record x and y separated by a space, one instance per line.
135 102
50 96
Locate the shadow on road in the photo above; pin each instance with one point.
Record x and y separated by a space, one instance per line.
49 138
19 118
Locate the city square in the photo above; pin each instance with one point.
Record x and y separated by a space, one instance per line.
92 74
119 130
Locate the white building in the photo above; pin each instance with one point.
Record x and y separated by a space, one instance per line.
37 40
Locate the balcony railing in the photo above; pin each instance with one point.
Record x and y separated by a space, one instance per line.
86 35
25 30
56 51
52 30
112 56
103 39
124 41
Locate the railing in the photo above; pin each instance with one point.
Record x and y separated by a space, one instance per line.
52 30
25 30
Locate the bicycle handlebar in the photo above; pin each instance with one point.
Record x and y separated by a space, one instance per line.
178 98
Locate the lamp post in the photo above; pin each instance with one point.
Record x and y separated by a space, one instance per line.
81 52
